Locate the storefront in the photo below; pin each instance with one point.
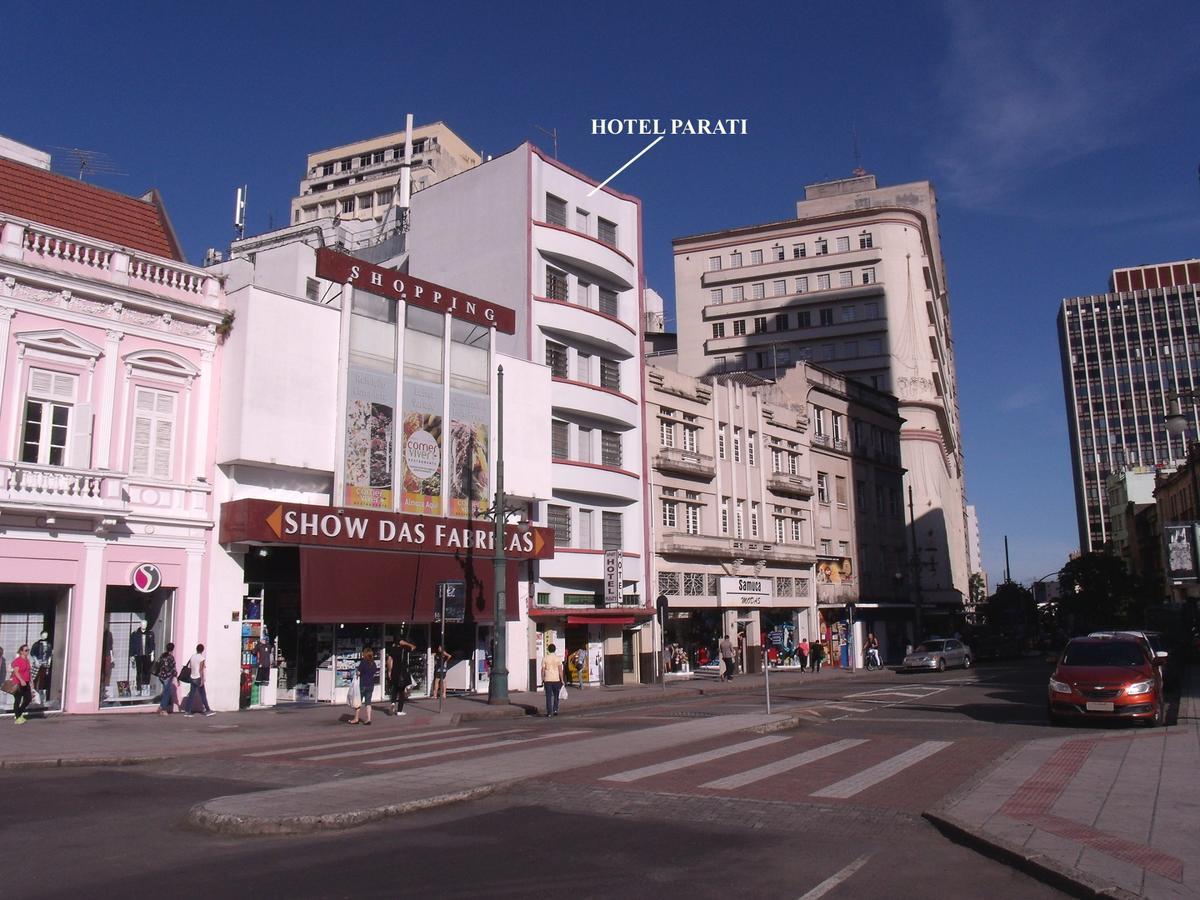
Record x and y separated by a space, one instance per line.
616 645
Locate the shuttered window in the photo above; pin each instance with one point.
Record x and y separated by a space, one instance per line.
153 433
610 374
556 210
610 448
606 231
559 518
608 302
611 527
556 284
559 440
556 359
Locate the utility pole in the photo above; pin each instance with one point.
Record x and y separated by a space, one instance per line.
916 567
498 680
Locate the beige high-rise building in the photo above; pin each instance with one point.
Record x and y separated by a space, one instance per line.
855 283
362 180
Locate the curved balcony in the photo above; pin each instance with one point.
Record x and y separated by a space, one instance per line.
573 564
604 332
594 480
685 462
585 253
595 402
789 485
714 547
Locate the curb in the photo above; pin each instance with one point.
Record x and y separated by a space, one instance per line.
81 762
1049 871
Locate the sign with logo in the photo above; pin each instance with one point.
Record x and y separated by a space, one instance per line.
612 577
751 590
1181 551
452 597
145 578
394 285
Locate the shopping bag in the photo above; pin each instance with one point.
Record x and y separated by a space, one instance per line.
562 694
354 695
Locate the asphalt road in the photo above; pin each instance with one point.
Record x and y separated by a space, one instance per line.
828 809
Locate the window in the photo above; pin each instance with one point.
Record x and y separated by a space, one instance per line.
760 324
874 347
690 433
868 275
845 279
384 198
779 288
865 241
848 313
783 357
606 231
583 442
692 512
721 441
843 548
716 297
860 495
560 439
780 529
582 221
826 547
693 584
364 202
804 319
818 419
668 583
738 293
781 321
753 520
610 374
793 463
843 244
822 246
751 440
826 352
559 518
724 515
327 169
758 291
714 264
611 530
610 448
670 514
839 488
348 205
822 487
850 350
47 418
799 251
838 427
871 310
608 302
802 285
756 257
666 433
738 516
586 541
153 433
739 326
556 284
737 445
556 210
822 282
735 259
776 460
777 252
583 367
583 293
718 329
798 530
826 315
556 359
345 164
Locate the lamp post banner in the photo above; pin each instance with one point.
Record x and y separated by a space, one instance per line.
1181 551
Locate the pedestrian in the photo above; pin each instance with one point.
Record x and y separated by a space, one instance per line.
552 677
366 687
580 664
396 670
166 672
441 664
816 655
726 649
804 649
23 676
198 668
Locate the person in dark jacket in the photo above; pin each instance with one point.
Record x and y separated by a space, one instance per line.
366 687
166 672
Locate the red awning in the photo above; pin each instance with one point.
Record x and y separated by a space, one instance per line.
600 620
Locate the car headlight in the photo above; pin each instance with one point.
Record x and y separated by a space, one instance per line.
1140 687
1059 687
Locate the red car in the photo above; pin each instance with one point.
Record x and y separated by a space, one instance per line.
1107 678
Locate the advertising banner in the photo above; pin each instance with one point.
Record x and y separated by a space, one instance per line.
421 448
370 431
739 591
469 475
1181 551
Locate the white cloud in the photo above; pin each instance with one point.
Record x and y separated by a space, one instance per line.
1022 398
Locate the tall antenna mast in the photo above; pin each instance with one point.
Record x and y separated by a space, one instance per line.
239 212
858 170
553 135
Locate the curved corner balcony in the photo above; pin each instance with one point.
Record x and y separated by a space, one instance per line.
596 480
604 332
579 251
574 564
595 402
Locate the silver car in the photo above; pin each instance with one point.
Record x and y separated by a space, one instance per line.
939 655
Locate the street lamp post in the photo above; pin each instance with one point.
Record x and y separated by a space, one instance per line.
498 678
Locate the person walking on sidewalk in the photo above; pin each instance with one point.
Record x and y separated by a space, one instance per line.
441 663
726 649
552 677
817 655
580 665
366 687
166 673
396 671
804 650
23 676
198 668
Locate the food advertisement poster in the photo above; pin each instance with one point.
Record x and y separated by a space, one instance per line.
370 434
469 415
421 448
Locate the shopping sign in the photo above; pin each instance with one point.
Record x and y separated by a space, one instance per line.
452 597
612 577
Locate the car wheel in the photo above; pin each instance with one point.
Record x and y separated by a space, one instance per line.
966 662
941 666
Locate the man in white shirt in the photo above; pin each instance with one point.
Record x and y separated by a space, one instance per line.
198 668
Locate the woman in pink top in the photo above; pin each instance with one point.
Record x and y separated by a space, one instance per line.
22 676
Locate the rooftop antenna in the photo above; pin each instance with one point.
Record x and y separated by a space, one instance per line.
406 174
80 163
858 170
239 212
553 135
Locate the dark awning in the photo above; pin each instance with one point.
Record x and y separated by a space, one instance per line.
600 620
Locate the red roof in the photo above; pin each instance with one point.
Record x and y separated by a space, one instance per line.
61 202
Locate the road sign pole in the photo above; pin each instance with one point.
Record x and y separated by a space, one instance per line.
442 589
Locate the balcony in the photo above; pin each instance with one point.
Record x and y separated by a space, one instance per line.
50 491
777 268
790 485
685 462
582 252
721 548
595 402
592 480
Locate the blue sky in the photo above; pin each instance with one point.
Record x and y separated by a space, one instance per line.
1063 140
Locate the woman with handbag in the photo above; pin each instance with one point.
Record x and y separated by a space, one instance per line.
23 677
166 675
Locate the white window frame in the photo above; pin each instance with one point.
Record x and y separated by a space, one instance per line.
157 451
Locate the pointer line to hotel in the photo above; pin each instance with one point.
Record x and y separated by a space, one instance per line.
626 166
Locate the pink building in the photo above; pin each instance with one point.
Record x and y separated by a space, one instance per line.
108 379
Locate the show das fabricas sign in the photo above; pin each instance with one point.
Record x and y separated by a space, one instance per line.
339 267
268 521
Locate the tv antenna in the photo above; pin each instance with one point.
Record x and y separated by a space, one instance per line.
858 171
553 135
239 212
80 163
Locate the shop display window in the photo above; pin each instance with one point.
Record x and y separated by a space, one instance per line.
35 615
136 630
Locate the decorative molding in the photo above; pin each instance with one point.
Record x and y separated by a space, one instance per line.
58 341
7 312
914 388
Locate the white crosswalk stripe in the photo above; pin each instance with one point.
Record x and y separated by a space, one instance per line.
741 779
693 760
855 784
451 751
401 745
328 744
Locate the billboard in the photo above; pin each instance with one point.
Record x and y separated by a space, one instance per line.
370 421
421 448
1181 551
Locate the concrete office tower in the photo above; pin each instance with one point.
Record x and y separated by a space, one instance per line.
525 231
362 180
856 283
1122 353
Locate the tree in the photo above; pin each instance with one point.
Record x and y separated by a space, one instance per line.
1011 608
977 588
1099 592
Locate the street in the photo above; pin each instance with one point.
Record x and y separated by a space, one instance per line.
829 808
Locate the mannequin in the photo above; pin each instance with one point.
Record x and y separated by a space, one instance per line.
106 663
141 651
41 655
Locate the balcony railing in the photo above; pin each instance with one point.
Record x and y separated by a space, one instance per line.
685 462
714 547
53 489
791 485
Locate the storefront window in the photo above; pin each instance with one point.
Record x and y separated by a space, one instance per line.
470 413
35 615
371 403
137 628
421 432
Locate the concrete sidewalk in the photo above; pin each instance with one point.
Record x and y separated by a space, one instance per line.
1105 812
127 737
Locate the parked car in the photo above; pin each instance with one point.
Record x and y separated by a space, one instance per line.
939 655
1114 677
1159 647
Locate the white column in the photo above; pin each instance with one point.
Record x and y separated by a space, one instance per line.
12 439
107 398
88 605
117 462
6 316
339 427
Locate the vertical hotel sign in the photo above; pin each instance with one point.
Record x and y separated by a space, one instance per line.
372 441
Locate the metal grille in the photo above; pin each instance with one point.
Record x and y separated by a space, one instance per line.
608 302
611 527
556 359
556 284
606 231
693 584
610 448
668 583
559 441
556 210
559 518
610 374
